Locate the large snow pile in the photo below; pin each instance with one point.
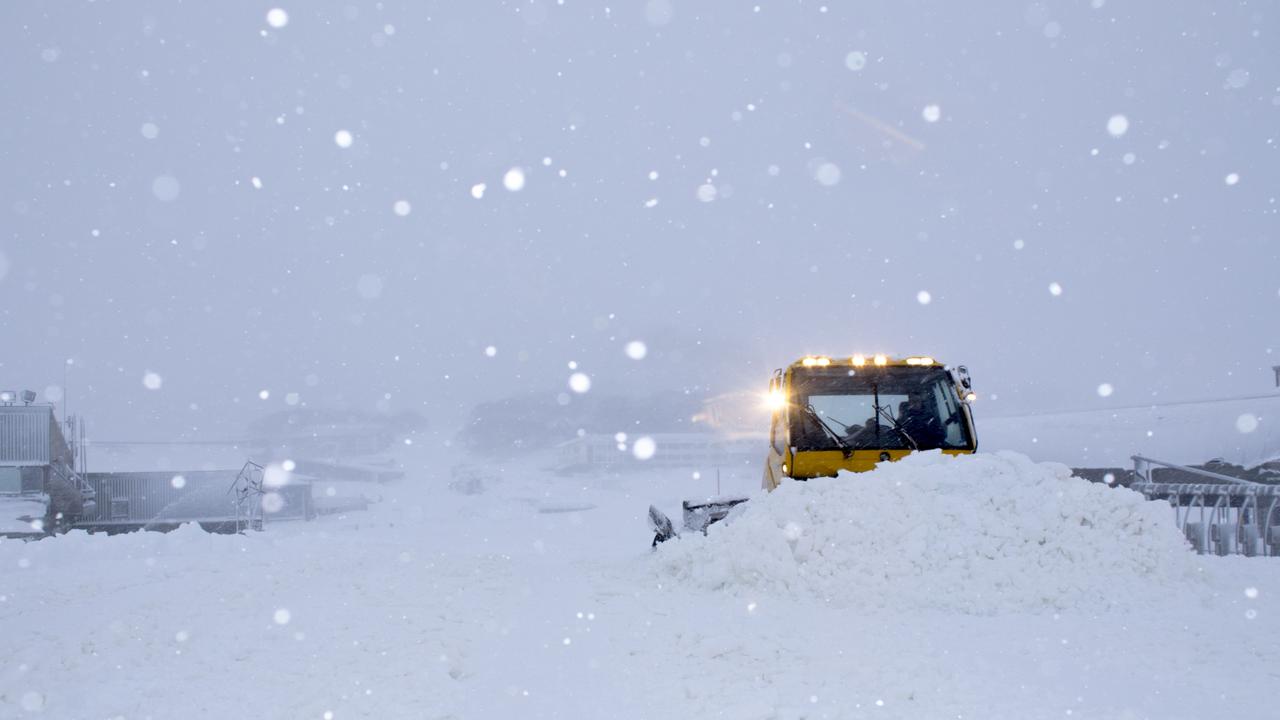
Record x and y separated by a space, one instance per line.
980 534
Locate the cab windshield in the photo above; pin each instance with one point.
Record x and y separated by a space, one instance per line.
881 408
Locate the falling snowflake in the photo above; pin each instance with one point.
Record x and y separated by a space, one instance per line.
1055 289
477 190
1117 125
636 350
513 180
277 18
1247 422
855 60
152 381
402 208
1105 390
923 297
275 475
1232 179
343 139
282 616
579 382
931 113
644 448
272 502
827 174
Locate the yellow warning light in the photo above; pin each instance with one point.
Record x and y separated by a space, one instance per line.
920 360
970 396
816 361
859 360
882 360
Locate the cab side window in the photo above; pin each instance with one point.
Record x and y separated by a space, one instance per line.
948 411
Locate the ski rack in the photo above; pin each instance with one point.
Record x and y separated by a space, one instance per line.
1236 516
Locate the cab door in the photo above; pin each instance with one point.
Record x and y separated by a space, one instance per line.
776 460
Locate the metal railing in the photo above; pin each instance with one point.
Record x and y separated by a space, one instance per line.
1235 516
248 492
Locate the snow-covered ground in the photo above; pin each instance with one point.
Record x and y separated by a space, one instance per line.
985 587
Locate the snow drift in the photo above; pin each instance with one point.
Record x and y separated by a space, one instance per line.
981 534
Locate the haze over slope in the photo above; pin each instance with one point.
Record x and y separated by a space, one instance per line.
237 207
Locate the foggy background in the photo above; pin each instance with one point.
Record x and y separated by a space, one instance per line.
733 184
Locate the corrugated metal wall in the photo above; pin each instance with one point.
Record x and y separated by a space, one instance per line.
26 434
155 497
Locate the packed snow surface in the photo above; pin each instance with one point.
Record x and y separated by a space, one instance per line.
980 534
920 591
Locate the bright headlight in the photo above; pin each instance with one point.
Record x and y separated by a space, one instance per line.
774 400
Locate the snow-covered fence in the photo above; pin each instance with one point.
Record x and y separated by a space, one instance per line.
1222 515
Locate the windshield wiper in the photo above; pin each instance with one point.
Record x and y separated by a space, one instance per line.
897 428
840 443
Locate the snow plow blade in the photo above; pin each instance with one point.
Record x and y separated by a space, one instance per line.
661 526
698 515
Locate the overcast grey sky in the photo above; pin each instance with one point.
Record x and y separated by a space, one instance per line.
735 184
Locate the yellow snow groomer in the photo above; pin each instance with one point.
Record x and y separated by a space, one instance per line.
832 414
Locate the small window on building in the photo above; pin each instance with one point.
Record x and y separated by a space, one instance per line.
10 480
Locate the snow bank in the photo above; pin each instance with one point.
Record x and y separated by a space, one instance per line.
85 556
983 534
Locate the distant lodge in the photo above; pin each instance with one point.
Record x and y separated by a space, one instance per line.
45 488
